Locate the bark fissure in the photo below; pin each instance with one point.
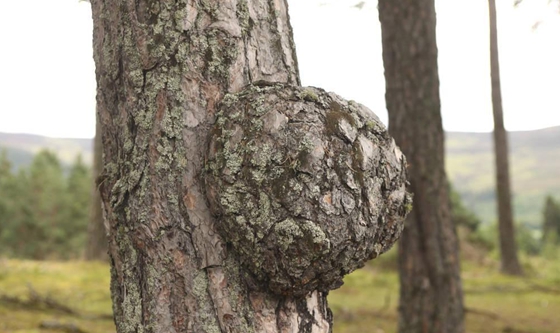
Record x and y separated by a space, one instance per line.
162 69
287 190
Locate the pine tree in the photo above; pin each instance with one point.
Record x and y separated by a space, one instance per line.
508 244
431 297
76 208
42 231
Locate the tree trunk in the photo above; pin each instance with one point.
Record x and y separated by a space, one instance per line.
96 247
162 67
508 245
232 207
431 298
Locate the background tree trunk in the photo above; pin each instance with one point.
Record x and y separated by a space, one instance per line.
508 244
96 247
162 66
431 298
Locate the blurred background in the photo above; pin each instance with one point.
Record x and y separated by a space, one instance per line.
50 282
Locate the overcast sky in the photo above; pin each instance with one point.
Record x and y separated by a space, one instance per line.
47 81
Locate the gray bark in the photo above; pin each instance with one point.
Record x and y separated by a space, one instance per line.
431 297
508 245
307 186
162 69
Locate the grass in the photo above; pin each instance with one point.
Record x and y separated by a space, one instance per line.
81 286
495 303
366 303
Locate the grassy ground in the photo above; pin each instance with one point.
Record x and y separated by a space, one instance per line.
495 303
366 303
83 287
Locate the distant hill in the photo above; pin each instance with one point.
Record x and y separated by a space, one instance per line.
22 147
535 166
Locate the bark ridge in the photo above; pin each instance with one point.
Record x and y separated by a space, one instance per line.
306 185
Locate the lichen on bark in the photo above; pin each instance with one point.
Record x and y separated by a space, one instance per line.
307 186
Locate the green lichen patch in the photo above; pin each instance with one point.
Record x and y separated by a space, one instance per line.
307 94
293 176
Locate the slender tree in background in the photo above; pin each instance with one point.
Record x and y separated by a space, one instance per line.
508 245
214 224
431 298
96 247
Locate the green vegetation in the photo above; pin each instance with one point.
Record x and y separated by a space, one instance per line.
366 303
44 212
82 287
534 162
43 215
495 303
535 159
460 215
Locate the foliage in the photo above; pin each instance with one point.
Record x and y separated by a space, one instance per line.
486 237
460 215
535 157
526 239
43 212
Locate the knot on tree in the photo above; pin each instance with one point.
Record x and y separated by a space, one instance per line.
307 186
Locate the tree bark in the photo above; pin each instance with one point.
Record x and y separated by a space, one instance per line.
508 245
431 298
232 207
96 247
161 68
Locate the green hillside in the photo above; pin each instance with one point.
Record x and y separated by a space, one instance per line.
535 171
535 166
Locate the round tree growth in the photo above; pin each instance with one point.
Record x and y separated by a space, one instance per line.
307 186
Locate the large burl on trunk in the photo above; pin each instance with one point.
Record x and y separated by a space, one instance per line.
231 207
307 186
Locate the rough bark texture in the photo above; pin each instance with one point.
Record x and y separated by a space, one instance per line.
96 247
508 244
307 186
431 298
162 67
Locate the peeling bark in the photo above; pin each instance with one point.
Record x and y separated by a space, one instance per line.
162 68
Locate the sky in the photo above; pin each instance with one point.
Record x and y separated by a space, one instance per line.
47 75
